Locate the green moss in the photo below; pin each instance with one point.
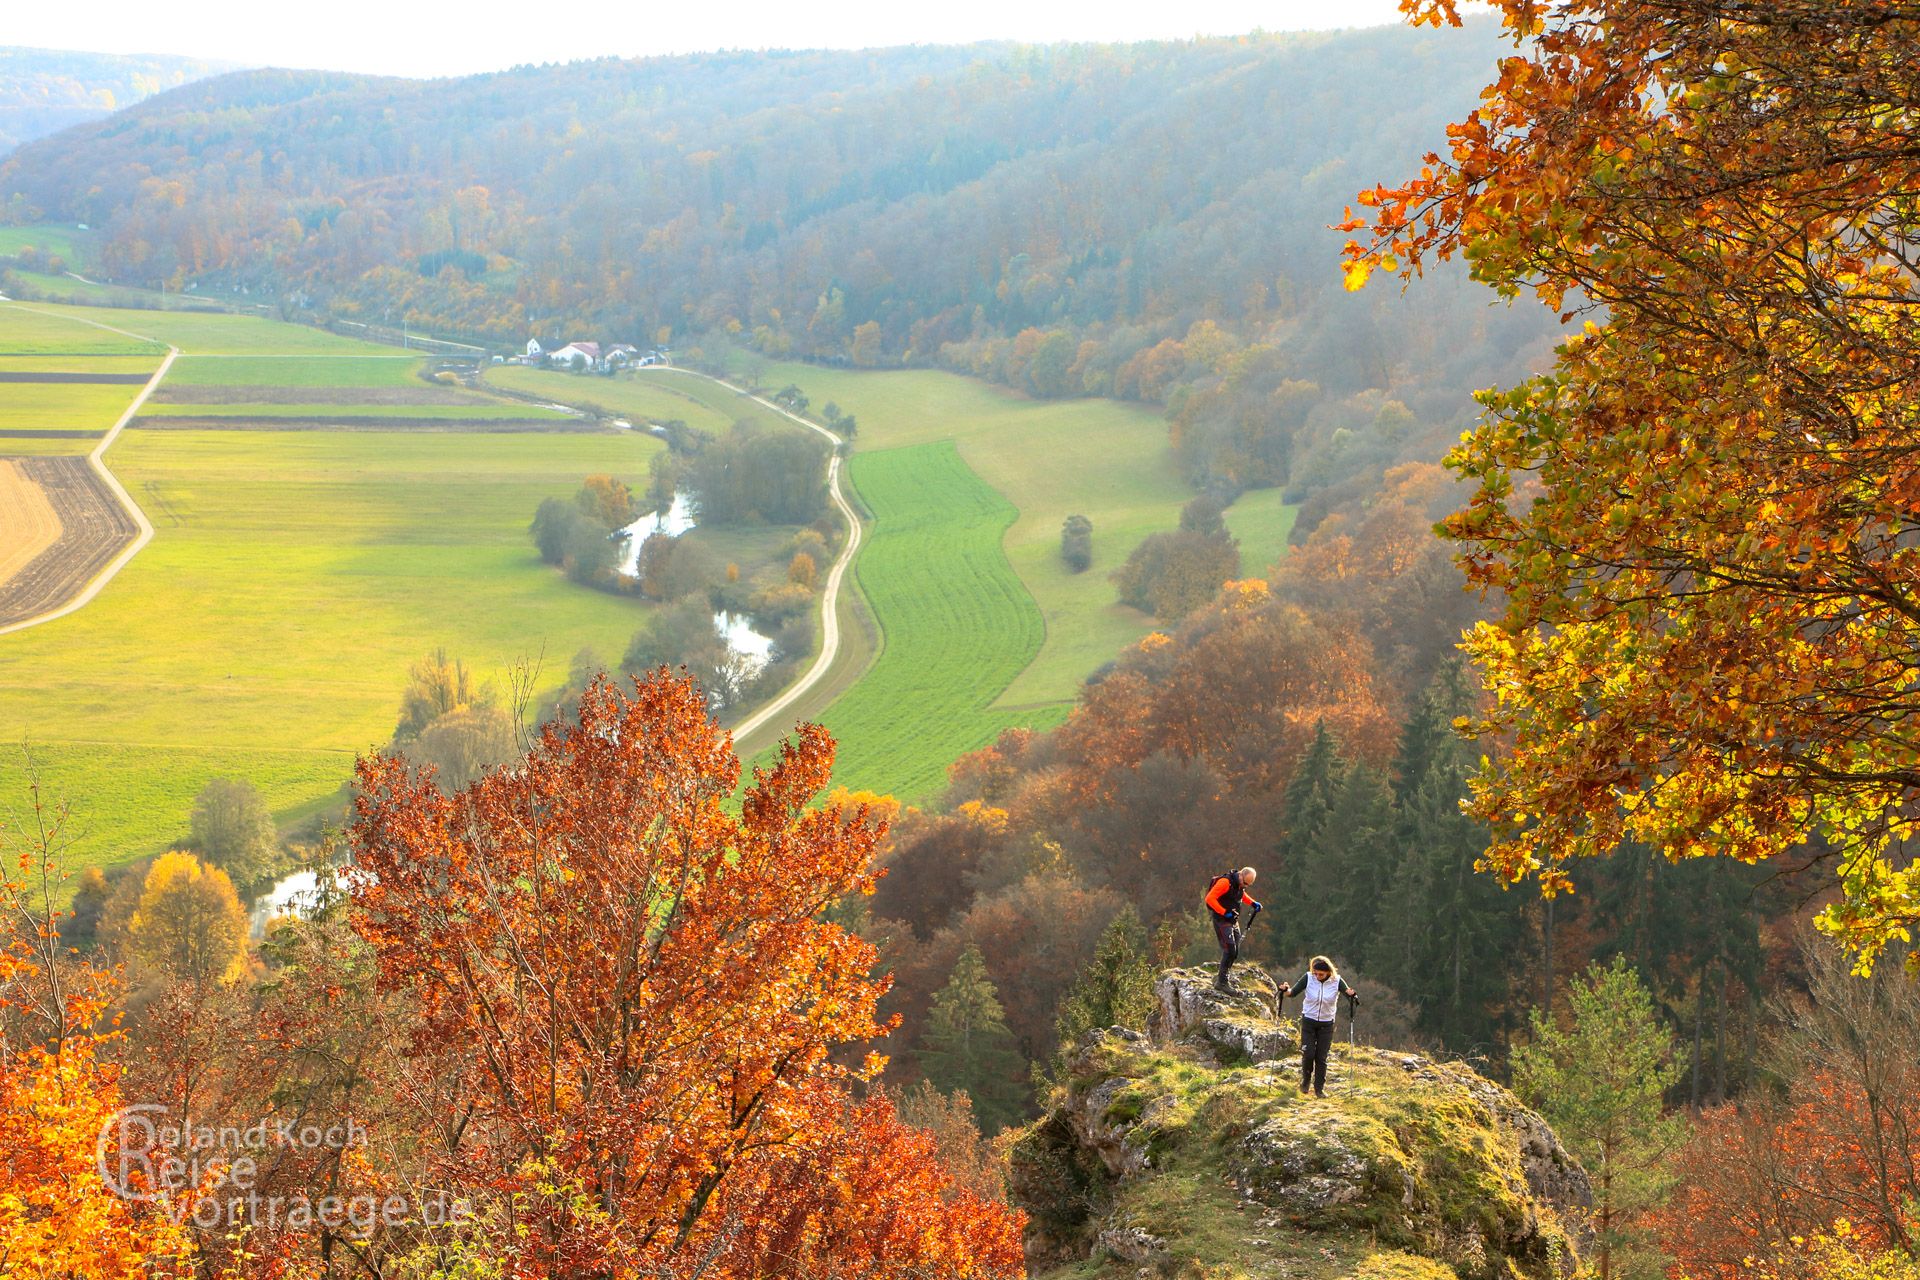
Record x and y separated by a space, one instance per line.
1391 1177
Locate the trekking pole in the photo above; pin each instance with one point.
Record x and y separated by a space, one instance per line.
1353 1014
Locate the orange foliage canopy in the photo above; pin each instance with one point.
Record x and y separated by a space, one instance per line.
59 1091
629 1005
1758 1177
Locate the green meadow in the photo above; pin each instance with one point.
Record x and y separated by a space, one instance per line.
267 629
641 399
956 623
68 241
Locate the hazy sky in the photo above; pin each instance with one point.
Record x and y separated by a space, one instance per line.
412 37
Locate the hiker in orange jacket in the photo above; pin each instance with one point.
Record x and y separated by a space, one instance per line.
1226 894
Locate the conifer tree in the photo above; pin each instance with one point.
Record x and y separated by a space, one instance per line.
1115 989
967 1045
1308 804
1599 1081
1347 864
1447 937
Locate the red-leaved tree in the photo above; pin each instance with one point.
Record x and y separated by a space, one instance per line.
626 1003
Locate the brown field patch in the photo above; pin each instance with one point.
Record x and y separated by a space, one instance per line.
28 522
93 527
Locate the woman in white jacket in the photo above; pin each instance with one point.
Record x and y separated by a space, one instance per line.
1319 989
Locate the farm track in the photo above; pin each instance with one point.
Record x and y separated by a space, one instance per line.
112 535
823 662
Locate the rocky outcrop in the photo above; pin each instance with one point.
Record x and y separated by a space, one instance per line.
1241 1026
1190 1150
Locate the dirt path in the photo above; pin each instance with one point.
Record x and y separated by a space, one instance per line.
97 460
830 597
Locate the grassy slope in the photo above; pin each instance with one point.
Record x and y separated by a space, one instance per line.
1261 522
64 239
1099 458
957 623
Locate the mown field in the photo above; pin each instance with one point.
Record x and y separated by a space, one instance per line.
957 624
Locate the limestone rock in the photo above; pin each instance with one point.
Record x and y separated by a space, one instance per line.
1190 1149
1237 1028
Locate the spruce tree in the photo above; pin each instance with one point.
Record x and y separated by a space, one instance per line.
1429 733
1114 990
1447 935
1347 864
967 1045
1308 806
1600 1081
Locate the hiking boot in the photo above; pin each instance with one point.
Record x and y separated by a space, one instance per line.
1305 1089
1319 1093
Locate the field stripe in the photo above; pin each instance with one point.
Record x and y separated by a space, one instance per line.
97 460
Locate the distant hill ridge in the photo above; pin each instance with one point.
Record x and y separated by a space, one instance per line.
43 91
932 193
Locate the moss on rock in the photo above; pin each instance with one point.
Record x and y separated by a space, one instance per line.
1178 1155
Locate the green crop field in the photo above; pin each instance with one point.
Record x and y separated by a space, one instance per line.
267 629
391 370
79 406
14 446
957 625
45 329
372 413
204 333
117 365
1103 459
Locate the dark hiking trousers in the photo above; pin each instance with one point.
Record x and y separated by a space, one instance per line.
1316 1041
1229 935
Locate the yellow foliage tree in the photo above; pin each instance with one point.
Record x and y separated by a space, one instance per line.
189 923
59 1215
801 570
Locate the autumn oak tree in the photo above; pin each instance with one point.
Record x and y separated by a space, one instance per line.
1705 519
634 1030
